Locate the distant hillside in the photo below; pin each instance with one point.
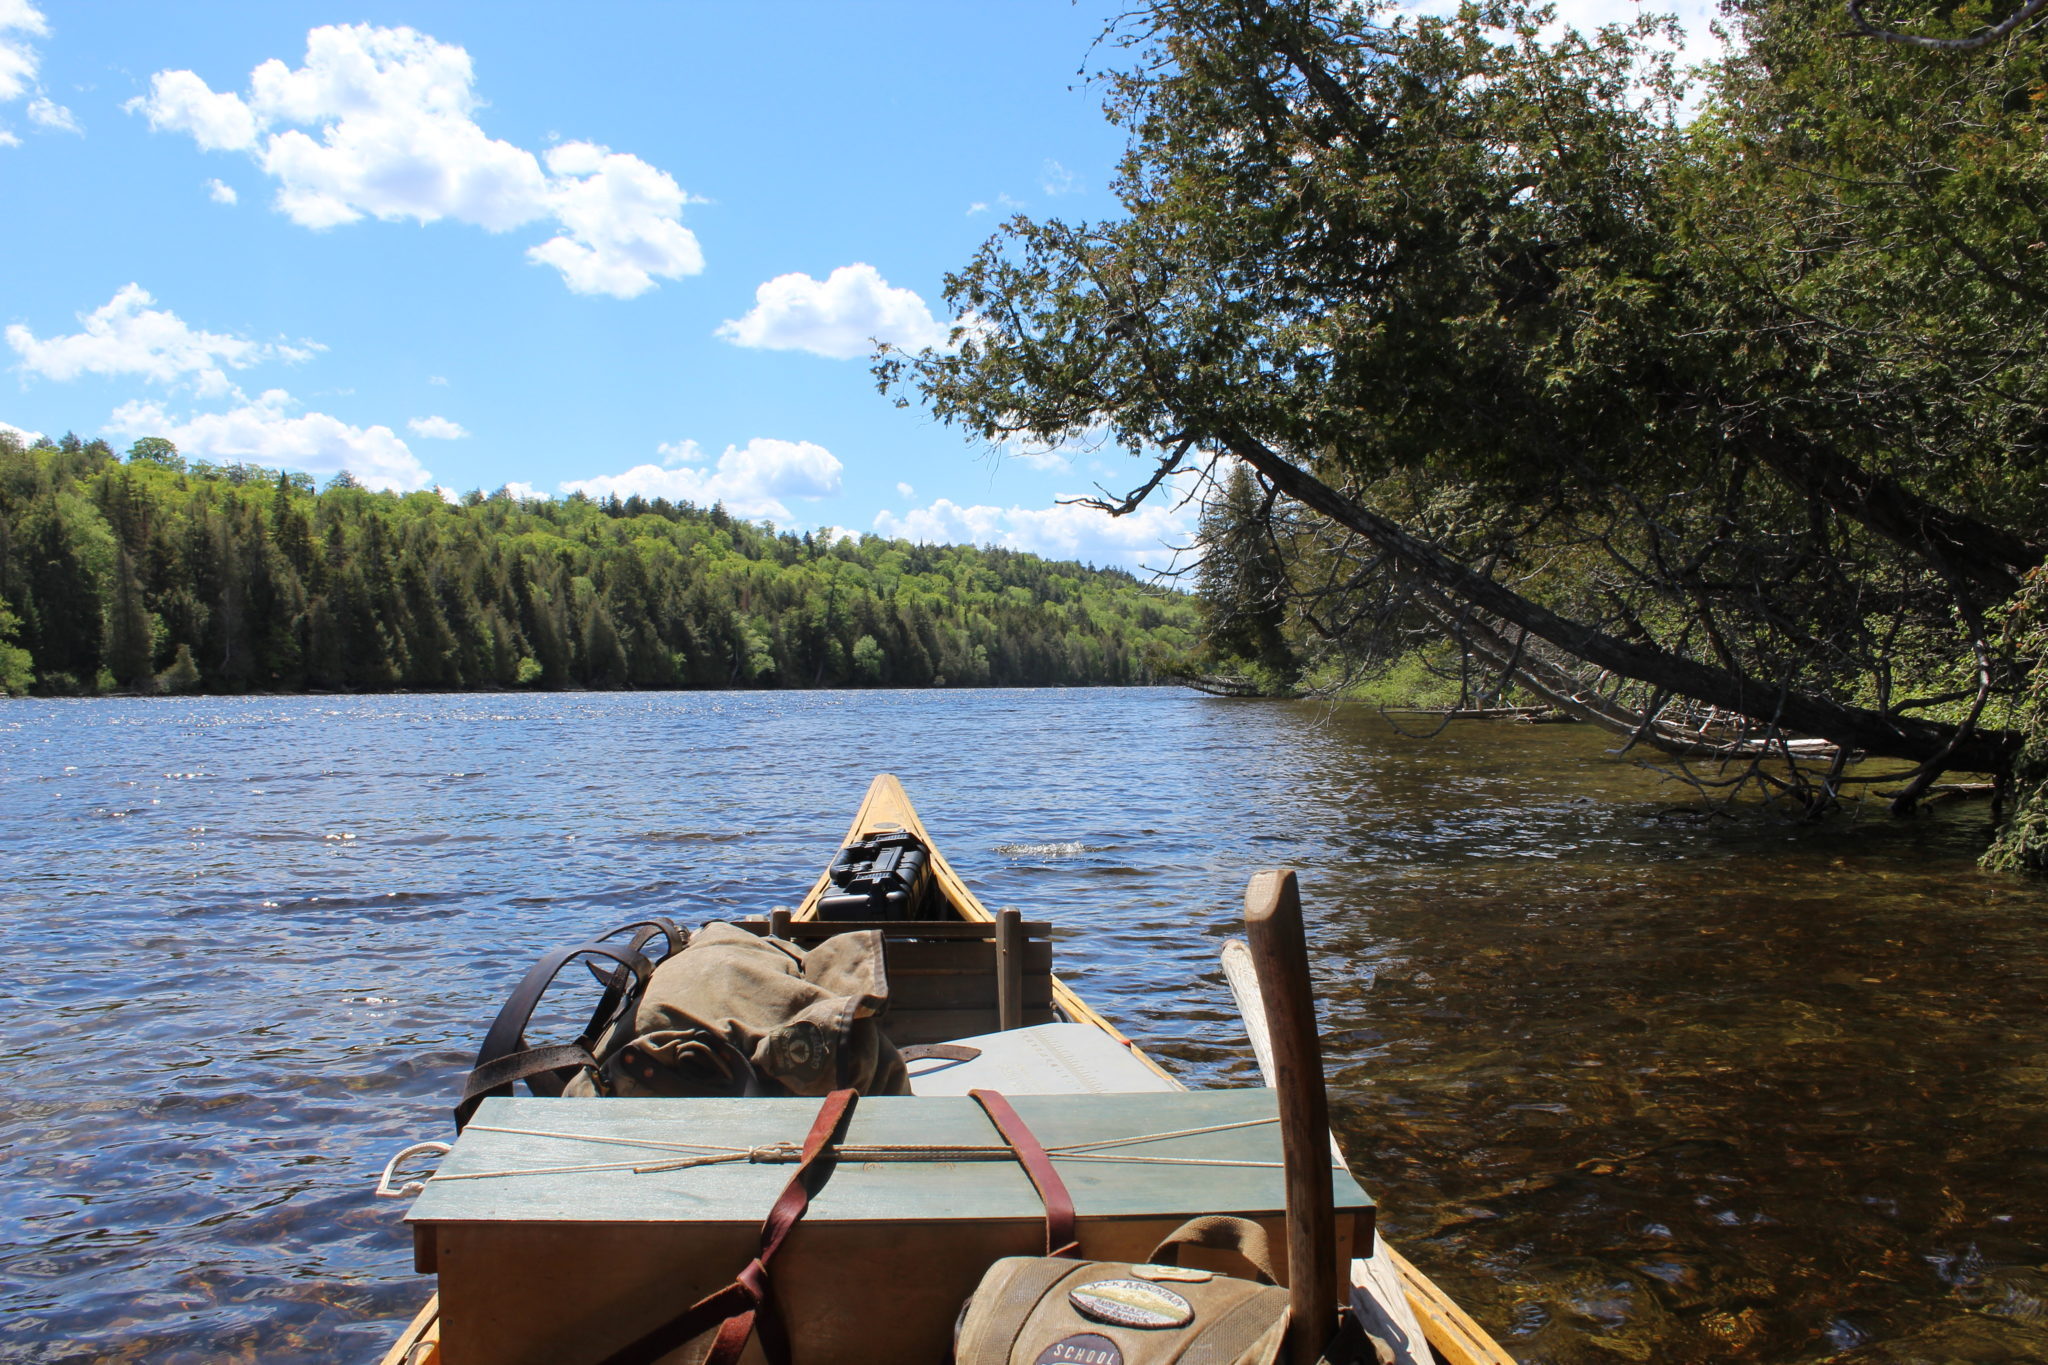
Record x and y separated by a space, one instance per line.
154 574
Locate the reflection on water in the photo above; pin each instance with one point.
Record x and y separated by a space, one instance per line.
1632 1087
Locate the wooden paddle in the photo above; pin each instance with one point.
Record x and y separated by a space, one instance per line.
1272 921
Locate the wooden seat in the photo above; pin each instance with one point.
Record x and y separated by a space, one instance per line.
949 978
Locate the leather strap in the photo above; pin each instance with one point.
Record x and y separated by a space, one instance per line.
507 1035
949 1052
619 996
529 1065
1060 1238
1225 1233
748 1304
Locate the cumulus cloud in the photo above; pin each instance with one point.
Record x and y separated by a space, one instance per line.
126 335
437 429
1146 539
270 431
19 21
393 136
21 434
221 192
751 480
840 316
905 491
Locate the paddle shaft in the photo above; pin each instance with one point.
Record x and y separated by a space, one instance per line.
1279 949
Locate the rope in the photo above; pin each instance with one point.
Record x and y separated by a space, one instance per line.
385 1189
778 1153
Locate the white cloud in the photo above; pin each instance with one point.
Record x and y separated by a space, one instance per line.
221 192
751 480
21 434
905 491
393 137
1146 539
268 431
839 316
127 336
19 20
47 113
624 221
8 139
439 380
437 429
524 492
1056 456
1002 201
1056 180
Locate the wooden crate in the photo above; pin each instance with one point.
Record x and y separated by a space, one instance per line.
567 1267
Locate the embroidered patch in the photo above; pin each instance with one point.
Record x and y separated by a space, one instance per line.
1131 1303
1083 1348
1186 1274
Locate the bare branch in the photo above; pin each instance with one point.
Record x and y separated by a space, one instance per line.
1129 502
1981 38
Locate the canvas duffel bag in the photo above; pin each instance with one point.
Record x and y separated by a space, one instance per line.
718 1012
1051 1310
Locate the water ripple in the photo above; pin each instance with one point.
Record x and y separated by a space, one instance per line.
1634 1087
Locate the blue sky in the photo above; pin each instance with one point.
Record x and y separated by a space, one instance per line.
623 247
619 247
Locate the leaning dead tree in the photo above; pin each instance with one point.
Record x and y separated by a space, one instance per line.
1374 595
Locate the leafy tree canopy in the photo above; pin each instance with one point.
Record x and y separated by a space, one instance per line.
1672 422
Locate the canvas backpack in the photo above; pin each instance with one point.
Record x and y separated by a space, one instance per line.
1053 1310
718 1012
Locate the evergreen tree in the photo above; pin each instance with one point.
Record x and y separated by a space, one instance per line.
1243 582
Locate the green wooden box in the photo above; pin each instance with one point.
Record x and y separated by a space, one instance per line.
567 1266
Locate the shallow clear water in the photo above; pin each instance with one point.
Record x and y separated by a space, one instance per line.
1633 1085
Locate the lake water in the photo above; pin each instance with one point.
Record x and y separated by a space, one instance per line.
1632 1084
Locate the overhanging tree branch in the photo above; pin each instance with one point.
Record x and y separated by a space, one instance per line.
1854 726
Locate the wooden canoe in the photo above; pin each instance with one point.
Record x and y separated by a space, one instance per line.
1397 1300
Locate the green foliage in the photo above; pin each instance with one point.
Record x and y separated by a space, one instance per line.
157 451
1745 411
163 573
2021 843
182 675
17 668
1413 680
1243 587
